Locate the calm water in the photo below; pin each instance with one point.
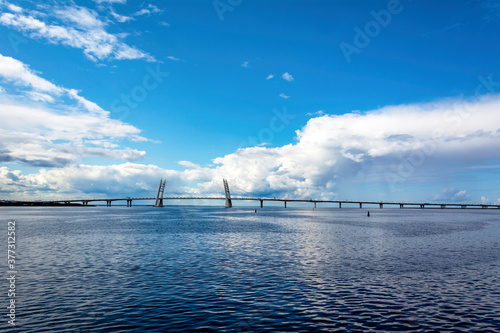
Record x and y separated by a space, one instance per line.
192 269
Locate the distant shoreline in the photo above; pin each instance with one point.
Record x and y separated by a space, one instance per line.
35 203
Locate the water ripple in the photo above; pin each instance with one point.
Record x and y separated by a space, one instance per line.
192 269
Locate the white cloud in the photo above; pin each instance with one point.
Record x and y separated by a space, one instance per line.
284 96
79 28
18 73
90 181
150 9
287 77
82 181
317 113
14 8
81 17
269 77
111 1
337 148
245 64
120 18
29 131
174 58
165 24
329 151
452 195
188 164
485 200
37 96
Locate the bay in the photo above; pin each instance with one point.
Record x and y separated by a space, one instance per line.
210 269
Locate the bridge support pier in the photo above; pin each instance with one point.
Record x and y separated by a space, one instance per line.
340 204
262 204
443 206
108 203
401 206
129 202
159 196
360 205
315 204
381 205
229 204
463 206
285 204
422 206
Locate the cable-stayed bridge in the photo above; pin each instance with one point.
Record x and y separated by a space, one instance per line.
160 199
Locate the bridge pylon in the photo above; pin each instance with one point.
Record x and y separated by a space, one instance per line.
159 196
229 204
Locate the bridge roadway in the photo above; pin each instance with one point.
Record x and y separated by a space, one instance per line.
381 204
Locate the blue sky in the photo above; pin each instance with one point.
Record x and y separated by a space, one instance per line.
368 100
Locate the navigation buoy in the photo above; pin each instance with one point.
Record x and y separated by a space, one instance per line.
256 210
368 214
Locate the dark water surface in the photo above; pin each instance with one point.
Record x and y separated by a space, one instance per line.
203 269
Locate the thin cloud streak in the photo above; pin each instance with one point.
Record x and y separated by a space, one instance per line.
79 28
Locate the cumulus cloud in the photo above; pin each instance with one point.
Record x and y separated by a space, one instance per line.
282 95
16 72
148 10
431 138
269 77
14 8
435 139
77 27
245 64
452 195
287 77
90 181
58 126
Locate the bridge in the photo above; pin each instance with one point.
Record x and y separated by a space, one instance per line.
160 198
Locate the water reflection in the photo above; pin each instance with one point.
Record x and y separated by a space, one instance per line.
209 269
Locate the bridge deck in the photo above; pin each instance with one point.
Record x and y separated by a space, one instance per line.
283 200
